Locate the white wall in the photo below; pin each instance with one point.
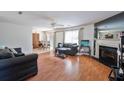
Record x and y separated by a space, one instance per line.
88 34
12 35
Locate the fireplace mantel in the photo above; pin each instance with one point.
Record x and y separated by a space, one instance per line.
109 43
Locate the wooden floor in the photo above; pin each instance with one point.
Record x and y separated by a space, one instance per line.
72 68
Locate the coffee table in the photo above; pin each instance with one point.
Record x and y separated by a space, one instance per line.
60 52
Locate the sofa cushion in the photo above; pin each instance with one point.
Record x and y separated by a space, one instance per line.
67 45
5 53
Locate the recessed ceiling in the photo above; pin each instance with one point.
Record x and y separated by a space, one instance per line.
44 19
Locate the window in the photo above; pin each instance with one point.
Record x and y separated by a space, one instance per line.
71 36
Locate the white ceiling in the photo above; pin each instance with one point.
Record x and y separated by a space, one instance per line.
43 19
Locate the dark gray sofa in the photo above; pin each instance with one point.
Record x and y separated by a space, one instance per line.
18 68
73 48
69 48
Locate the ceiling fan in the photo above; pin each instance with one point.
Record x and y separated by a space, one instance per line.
56 25
53 23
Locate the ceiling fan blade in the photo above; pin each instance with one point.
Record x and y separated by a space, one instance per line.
60 25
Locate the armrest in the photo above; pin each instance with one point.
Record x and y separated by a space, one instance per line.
17 60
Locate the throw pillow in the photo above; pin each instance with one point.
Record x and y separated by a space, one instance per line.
4 54
8 50
13 50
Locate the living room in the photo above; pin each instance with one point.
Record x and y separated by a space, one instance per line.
78 45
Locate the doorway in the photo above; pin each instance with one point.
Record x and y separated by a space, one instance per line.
41 42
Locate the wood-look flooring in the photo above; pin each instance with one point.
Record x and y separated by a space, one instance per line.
72 68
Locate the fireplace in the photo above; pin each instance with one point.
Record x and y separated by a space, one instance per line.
108 55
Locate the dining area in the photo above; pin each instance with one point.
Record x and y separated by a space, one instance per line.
40 43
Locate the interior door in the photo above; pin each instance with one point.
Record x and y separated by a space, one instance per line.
35 40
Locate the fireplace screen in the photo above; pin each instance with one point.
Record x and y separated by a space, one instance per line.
108 55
